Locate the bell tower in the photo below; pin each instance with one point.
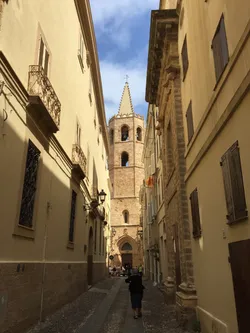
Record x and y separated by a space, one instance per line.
126 134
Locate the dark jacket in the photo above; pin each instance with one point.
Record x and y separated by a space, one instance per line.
135 284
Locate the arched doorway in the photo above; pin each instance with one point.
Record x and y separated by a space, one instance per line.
90 257
126 254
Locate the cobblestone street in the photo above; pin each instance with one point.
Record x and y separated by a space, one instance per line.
106 308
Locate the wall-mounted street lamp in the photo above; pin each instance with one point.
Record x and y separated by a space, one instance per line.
94 204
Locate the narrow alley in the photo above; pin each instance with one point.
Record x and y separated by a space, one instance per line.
106 308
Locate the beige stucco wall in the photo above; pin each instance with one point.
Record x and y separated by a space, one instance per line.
210 102
23 21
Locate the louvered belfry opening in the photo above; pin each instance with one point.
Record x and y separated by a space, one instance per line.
124 159
124 133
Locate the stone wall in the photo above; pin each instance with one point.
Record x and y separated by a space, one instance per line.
22 287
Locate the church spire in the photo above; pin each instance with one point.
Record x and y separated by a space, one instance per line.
126 106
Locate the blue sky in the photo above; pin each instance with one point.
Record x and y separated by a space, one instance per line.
122 32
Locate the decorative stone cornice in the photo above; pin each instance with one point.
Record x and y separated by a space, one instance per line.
162 22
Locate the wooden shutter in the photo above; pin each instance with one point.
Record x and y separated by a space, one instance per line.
40 61
46 62
220 49
238 192
190 123
227 187
233 184
223 41
195 214
184 56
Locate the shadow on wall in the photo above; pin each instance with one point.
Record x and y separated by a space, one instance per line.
40 270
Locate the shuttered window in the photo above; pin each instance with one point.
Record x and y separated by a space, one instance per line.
184 57
72 217
190 123
194 202
233 184
43 60
220 49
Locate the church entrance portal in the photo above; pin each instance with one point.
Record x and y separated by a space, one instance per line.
127 259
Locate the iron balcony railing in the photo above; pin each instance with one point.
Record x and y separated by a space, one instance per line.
39 85
79 158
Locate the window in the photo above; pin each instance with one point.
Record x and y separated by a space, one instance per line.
220 49
126 216
124 159
126 247
29 186
80 52
72 217
90 90
78 134
43 60
233 184
125 133
111 136
190 123
195 214
184 57
138 134
95 111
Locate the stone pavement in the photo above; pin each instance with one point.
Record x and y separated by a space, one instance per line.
105 308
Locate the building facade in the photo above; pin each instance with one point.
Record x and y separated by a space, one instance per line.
126 135
163 93
214 44
54 148
153 212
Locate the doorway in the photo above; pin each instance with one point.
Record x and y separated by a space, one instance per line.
127 259
90 258
240 266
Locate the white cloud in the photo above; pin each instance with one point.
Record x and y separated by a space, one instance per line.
117 10
113 80
115 18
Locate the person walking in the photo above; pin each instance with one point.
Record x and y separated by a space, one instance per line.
136 289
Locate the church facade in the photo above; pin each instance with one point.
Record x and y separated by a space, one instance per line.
126 135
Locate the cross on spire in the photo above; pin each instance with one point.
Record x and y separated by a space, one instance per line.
126 78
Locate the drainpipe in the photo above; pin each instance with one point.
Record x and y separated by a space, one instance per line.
49 207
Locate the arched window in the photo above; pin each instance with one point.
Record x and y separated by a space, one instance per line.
124 159
124 133
126 247
111 136
126 216
138 134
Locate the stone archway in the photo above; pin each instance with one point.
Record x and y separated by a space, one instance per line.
127 248
90 257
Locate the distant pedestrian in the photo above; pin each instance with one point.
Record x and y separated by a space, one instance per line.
136 292
140 269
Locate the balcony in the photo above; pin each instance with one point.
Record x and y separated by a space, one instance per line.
79 161
44 105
